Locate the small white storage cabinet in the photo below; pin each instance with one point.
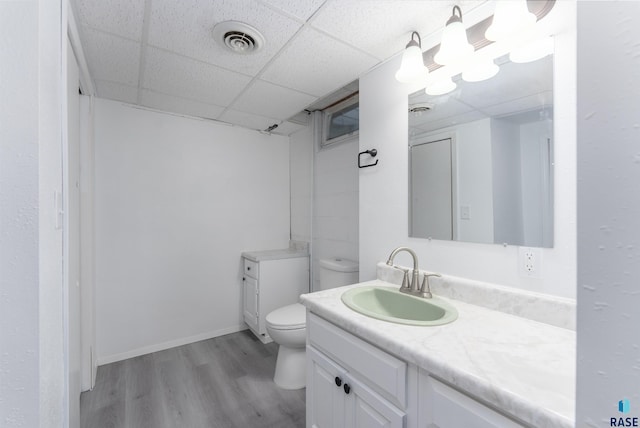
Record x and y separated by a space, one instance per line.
271 279
351 383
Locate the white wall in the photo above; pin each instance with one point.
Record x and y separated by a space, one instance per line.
176 202
536 210
473 171
383 189
335 206
507 186
608 211
19 334
301 170
32 355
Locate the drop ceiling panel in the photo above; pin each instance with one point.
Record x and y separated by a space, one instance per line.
313 48
317 64
175 75
179 105
112 58
301 9
512 81
451 121
248 120
278 102
532 102
186 27
116 91
121 17
443 108
382 28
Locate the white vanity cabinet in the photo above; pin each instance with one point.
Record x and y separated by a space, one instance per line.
351 383
270 283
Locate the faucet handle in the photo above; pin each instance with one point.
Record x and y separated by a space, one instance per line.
406 283
425 290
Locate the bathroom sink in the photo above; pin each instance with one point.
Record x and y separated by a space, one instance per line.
388 304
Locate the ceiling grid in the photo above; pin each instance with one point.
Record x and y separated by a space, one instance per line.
161 54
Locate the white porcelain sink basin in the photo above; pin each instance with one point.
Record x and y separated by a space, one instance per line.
388 304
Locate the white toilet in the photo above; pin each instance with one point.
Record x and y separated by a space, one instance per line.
287 325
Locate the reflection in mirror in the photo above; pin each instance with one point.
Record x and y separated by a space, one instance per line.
481 159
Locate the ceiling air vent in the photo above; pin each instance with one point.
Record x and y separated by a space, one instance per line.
238 37
420 108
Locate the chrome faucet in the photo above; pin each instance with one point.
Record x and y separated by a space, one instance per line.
410 286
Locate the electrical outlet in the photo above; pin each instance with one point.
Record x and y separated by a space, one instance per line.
530 262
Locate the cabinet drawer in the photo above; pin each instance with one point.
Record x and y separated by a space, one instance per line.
251 268
383 372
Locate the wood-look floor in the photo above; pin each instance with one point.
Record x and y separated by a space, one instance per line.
224 382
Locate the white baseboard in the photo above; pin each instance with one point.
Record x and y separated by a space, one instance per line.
167 345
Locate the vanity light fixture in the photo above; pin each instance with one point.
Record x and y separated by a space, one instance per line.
480 70
412 68
440 87
455 47
510 18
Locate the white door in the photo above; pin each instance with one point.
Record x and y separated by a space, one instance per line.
250 305
431 190
325 393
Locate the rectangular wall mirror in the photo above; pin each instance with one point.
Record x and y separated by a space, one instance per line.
481 159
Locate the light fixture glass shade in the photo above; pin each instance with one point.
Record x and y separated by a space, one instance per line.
440 87
532 51
412 68
454 47
480 70
511 17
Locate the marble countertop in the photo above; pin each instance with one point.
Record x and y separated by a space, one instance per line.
523 367
285 253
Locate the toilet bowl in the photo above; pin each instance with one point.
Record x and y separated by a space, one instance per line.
287 325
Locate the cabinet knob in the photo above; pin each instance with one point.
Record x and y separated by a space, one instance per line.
338 381
347 388
248 267
244 279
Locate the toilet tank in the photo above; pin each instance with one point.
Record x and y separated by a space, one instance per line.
337 272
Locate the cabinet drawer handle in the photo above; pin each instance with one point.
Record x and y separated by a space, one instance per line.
338 381
347 388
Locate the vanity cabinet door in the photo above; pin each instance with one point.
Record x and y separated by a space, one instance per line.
442 406
338 399
250 301
325 392
366 409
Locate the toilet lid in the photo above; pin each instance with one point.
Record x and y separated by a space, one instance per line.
288 317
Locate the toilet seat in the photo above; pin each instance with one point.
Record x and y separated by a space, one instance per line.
290 317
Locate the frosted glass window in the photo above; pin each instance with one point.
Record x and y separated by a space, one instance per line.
341 122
